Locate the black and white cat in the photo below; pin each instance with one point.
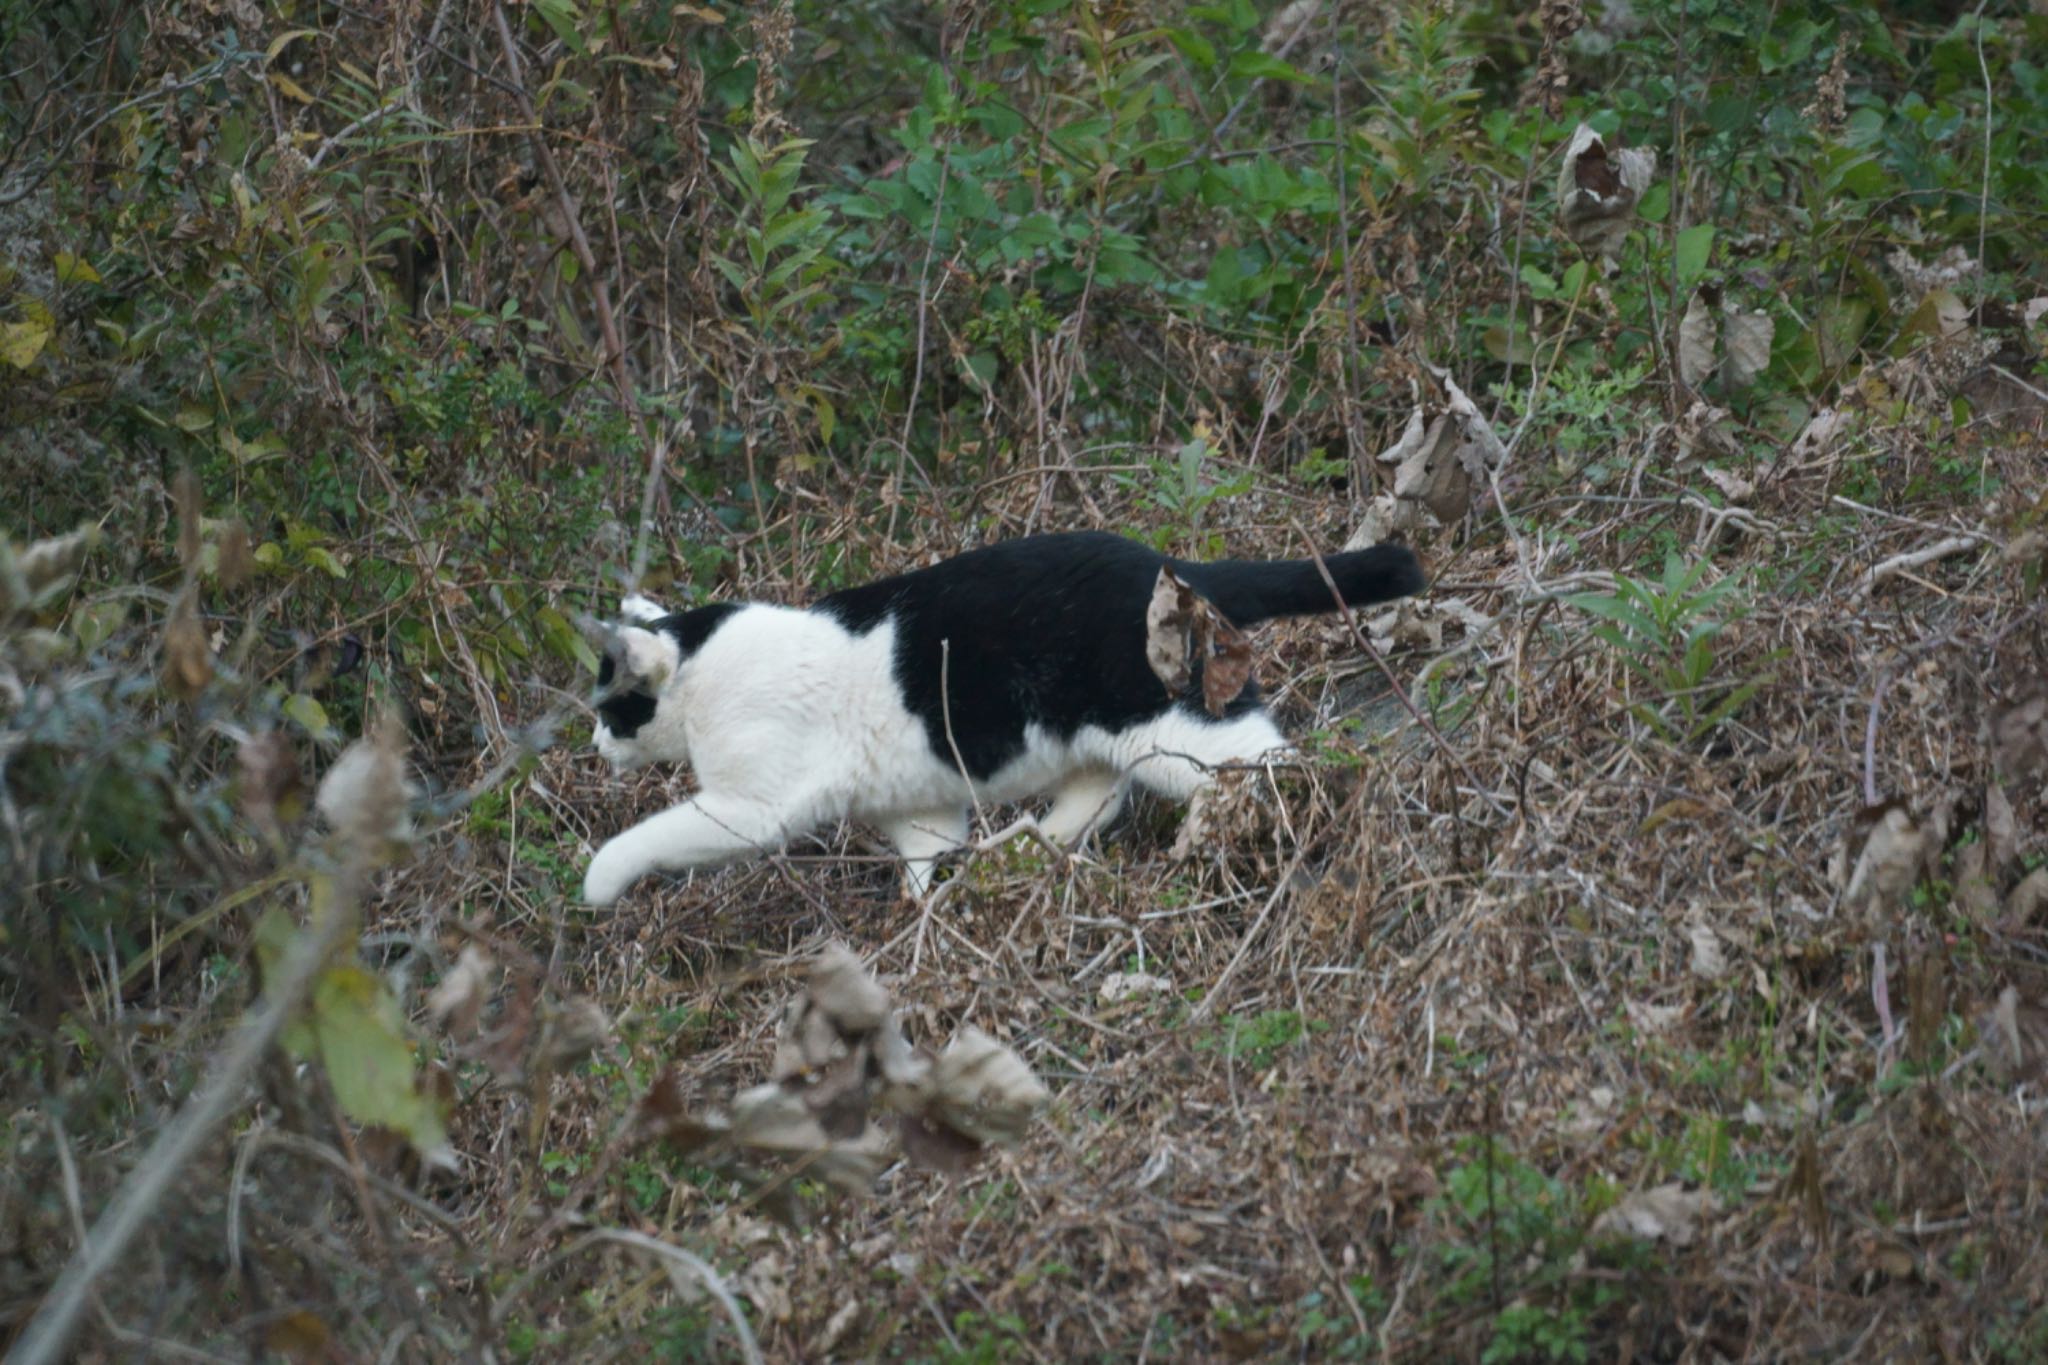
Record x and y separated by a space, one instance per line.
800 718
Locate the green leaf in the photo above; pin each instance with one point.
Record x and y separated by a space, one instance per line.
309 715
1693 247
73 269
362 1043
324 559
1193 46
1614 609
563 17
1266 67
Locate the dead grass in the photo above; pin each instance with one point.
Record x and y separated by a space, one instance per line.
1427 1007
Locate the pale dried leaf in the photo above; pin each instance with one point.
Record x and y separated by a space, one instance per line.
1168 622
40 566
1655 1020
1819 435
1746 340
364 793
1708 959
1597 191
2027 903
458 1001
1974 890
1889 864
842 988
1668 1213
2001 830
1736 489
571 1031
1698 331
1124 985
983 1089
2014 1036
1284 28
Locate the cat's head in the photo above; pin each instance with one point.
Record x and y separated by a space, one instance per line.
640 659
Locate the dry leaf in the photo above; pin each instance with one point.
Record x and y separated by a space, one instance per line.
572 1031
1974 890
2025 905
458 1001
234 561
1889 865
1655 1020
841 987
185 493
983 1089
1123 985
364 794
1597 190
1168 624
1698 333
188 659
1228 666
1819 435
1746 339
2014 1034
1708 960
1667 1213
1736 489
2001 831
271 787
2019 738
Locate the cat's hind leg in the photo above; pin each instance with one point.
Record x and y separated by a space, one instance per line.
1084 803
922 837
706 829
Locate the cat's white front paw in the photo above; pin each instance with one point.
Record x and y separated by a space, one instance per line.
612 871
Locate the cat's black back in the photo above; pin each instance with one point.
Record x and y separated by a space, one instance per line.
1050 630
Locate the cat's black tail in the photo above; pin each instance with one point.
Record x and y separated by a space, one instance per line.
1249 591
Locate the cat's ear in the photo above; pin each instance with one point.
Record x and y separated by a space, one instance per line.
642 659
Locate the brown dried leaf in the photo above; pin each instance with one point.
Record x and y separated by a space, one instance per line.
1228 667
2019 738
1974 891
271 787
1169 621
234 561
299 1336
185 493
937 1146
188 659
